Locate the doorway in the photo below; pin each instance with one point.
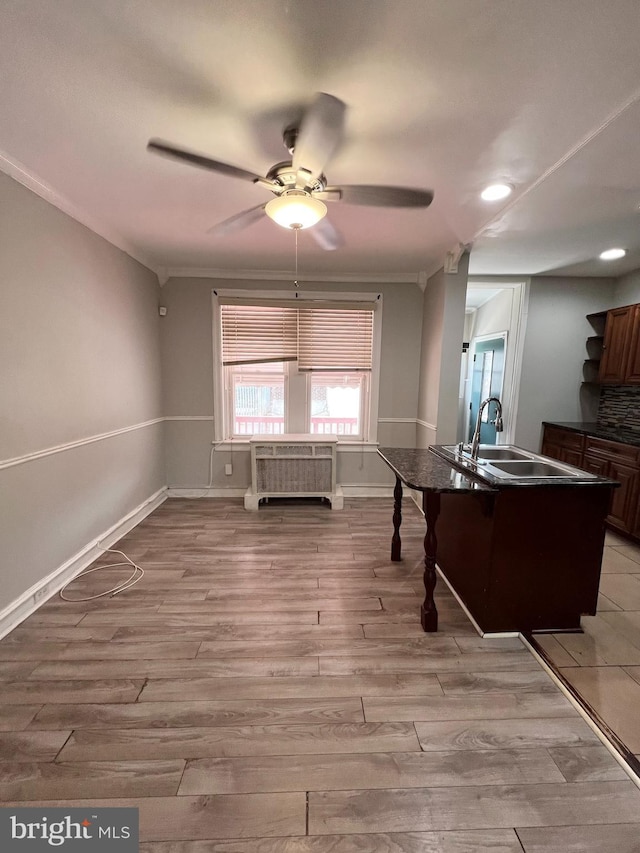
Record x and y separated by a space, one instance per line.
487 380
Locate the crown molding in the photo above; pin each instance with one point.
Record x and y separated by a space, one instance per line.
165 273
23 175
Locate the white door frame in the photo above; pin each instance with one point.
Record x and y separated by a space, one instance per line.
472 352
514 349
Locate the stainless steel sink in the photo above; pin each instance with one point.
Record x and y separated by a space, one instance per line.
508 463
501 453
489 451
535 468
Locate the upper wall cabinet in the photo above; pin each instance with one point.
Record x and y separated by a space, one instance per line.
620 363
632 371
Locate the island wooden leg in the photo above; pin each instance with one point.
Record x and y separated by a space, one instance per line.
428 611
396 542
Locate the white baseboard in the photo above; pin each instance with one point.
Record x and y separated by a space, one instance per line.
486 635
354 491
173 492
35 596
371 490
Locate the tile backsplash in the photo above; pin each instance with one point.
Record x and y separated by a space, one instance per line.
620 407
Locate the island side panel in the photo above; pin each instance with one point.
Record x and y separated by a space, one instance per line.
546 557
532 562
465 537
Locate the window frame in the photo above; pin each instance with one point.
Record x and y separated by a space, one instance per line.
223 427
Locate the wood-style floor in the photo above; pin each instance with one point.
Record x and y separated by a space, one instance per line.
266 688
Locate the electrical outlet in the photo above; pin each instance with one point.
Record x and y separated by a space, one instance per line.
41 593
228 469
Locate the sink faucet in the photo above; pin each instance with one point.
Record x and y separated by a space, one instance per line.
475 441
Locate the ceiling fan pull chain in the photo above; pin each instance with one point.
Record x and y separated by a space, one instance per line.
295 281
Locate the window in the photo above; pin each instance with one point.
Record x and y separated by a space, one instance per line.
258 399
293 367
336 403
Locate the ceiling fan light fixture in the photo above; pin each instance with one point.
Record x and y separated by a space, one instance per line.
496 192
295 209
612 254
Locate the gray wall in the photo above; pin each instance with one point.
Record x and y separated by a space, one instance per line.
554 353
626 290
80 356
187 361
441 353
494 316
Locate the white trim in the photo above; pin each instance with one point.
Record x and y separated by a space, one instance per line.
243 444
355 490
413 421
44 589
504 336
369 300
486 635
25 176
592 725
462 604
285 275
204 492
367 490
426 425
188 418
513 355
59 448
519 319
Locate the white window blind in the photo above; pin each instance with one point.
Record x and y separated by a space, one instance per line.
252 334
319 338
334 339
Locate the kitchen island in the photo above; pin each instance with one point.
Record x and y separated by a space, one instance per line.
521 554
432 477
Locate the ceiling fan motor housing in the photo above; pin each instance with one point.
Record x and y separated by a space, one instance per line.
285 175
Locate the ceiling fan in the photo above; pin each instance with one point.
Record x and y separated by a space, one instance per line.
299 185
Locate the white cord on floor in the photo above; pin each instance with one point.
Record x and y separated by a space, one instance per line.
214 447
121 587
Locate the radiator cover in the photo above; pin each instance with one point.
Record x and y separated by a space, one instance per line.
294 465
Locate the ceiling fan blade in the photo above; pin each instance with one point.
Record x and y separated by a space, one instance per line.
320 132
237 222
378 196
326 236
169 150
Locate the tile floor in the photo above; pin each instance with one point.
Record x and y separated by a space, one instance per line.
603 663
267 688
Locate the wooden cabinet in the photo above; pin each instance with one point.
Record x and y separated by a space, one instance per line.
619 462
611 459
620 362
632 370
615 351
564 445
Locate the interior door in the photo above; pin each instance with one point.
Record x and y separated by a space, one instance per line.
486 381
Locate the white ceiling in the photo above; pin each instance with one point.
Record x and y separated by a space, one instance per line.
443 94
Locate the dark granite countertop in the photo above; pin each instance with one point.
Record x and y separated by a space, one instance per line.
483 472
624 436
426 472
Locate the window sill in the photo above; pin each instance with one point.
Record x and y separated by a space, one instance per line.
344 446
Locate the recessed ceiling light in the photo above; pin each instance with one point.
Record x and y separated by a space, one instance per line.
612 254
495 192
